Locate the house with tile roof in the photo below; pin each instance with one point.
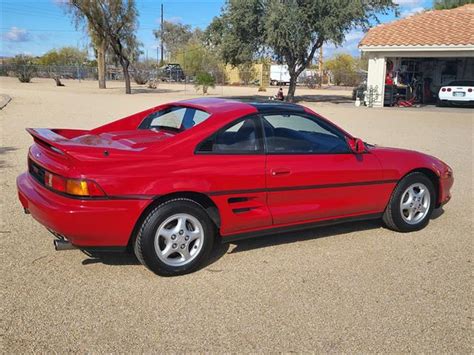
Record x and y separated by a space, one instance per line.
411 58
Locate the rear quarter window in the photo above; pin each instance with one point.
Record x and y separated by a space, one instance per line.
174 118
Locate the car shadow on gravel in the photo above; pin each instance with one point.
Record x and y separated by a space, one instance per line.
314 233
128 258
110 258
304 235
220 249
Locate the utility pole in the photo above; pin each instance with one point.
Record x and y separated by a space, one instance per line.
161 35
320 66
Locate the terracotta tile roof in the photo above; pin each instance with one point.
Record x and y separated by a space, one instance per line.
430 28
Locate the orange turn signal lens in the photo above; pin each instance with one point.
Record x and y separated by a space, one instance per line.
77 187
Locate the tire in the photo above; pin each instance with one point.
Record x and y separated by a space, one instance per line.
409 209
185 240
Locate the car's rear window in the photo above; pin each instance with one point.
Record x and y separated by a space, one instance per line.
176 118
461 83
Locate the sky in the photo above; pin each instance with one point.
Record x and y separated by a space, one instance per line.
35 27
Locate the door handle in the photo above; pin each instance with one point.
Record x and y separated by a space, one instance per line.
277 172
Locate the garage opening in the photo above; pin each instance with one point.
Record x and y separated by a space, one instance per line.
410 81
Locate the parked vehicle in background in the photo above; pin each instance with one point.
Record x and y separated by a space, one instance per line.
170 181
279 75
457 92
171 72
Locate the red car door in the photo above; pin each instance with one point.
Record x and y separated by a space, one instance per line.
233 163
313 175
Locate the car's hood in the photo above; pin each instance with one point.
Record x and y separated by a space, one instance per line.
397 162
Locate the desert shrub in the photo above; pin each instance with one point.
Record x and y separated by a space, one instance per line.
204 81
24 67
311 81
152 84
140 77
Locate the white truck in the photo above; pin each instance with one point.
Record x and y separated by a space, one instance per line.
279 75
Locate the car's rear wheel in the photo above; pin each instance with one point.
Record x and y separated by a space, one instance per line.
411 204
175 238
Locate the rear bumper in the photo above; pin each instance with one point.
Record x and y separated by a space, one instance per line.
85 223
459 101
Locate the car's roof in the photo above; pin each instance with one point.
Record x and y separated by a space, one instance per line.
220 105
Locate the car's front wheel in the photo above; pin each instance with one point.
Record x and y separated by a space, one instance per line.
175 238
411 204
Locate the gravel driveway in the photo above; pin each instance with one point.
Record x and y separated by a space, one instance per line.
350 288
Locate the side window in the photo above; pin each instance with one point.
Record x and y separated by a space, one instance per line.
287 134
242 137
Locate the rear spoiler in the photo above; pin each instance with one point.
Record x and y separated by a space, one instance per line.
55 140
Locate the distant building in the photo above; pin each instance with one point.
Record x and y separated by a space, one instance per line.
418 54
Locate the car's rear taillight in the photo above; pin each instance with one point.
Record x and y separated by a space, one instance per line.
469 90
54 181
449 89
74 187
443 89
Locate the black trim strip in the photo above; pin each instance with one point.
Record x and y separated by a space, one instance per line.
281 230
307 187
237 199
243 209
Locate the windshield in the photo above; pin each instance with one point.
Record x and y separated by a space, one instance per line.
175 118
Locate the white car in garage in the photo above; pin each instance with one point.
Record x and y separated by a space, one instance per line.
457 92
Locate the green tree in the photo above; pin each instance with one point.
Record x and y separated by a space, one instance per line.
114 21
174 36
290 30
450 4
99 43
343 68
196 58
63 56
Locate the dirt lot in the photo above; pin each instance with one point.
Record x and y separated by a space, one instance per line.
356 287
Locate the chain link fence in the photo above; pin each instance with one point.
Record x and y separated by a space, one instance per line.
180 78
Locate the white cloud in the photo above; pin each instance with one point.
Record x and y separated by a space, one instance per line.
16 34
172 19
354 35
413 11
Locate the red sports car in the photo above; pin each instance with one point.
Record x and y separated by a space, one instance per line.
171 180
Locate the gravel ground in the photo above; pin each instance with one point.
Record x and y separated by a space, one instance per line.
350 288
